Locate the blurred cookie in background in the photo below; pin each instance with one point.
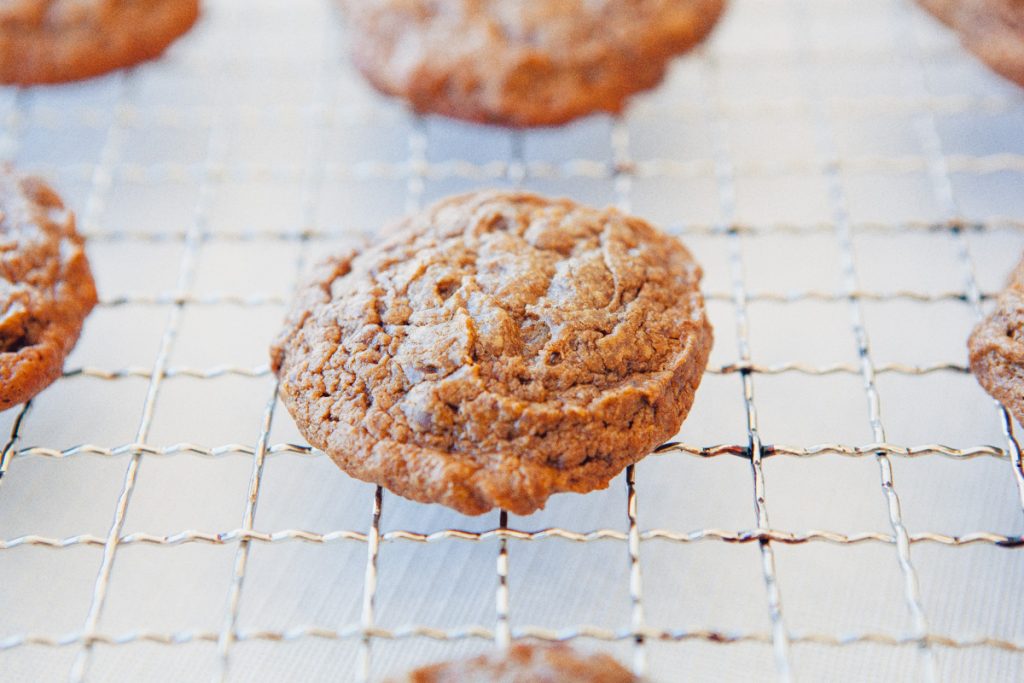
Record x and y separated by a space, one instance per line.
54 41
991 29
523 62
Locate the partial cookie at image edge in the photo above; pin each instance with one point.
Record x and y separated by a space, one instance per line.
527 664
996 347
48 288
529 65
55 42
991 29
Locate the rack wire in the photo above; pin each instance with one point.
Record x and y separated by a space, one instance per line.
160 517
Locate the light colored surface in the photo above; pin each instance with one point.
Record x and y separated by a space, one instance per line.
841 136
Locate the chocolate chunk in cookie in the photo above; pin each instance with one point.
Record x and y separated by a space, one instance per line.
53 41
497 349
527 664
522 62
46 289
996 347
991 29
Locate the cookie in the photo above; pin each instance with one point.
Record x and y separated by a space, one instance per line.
498 348
53 41
527 664
992 29
46 289
996 347
521 63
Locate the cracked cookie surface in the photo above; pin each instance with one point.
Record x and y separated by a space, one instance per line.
521 62
996 347
498 348
991 29
46 288
527 664
53 41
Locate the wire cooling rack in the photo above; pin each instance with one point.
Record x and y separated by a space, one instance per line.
843 171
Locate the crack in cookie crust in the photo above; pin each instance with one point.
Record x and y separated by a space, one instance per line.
499 348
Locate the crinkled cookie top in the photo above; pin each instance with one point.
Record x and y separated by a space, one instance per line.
499 326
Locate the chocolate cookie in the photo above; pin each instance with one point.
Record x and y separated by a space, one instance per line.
997 347
527 664
46 289
522 63
52 41
498 348
992 29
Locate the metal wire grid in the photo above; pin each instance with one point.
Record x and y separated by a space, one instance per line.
417 171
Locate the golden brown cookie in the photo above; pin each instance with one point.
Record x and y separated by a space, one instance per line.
997 347
992 29
521 62
498 348
53 41
46 289
527 664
